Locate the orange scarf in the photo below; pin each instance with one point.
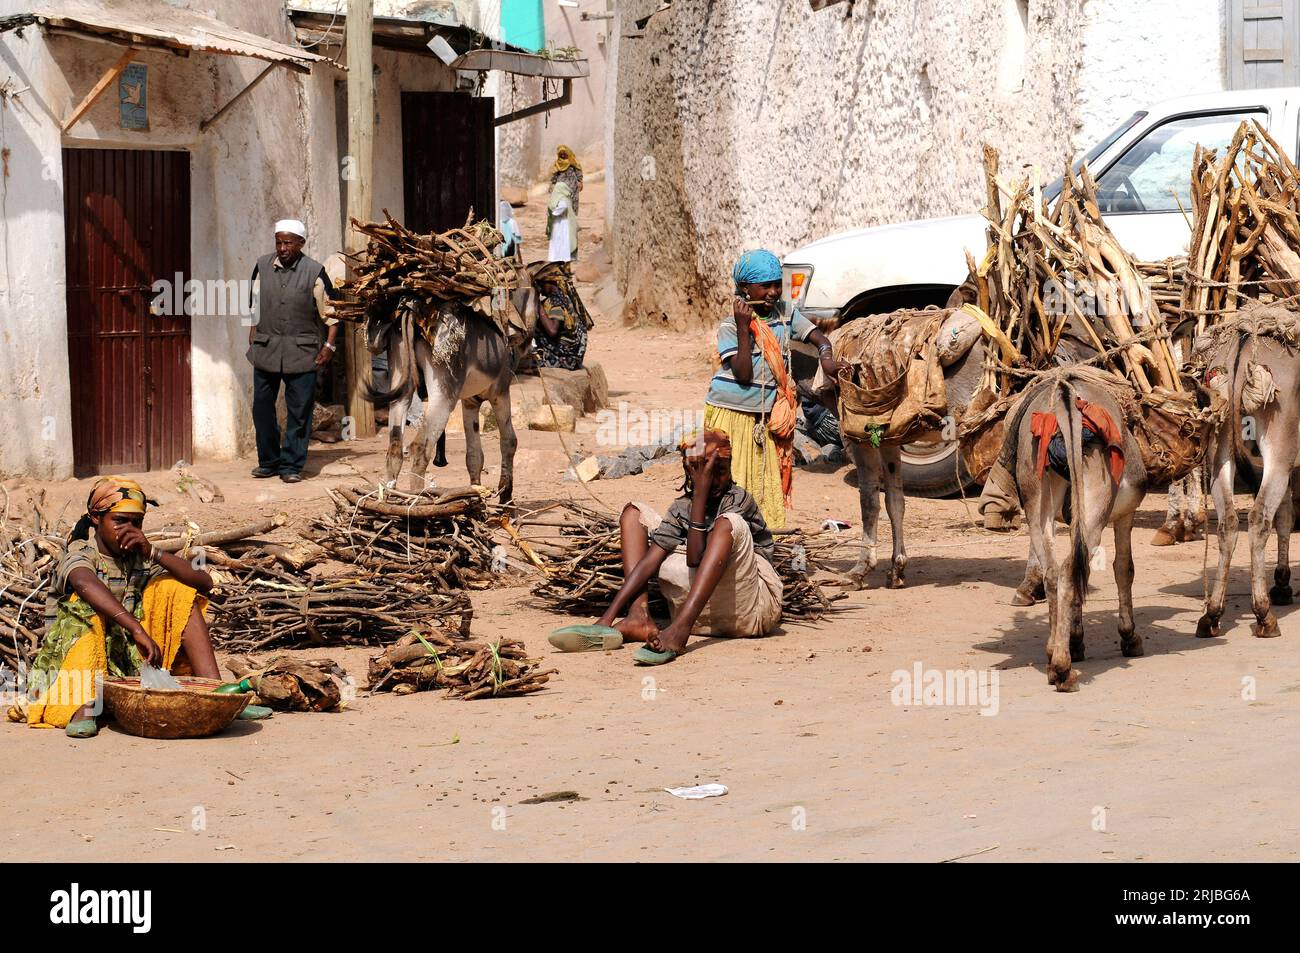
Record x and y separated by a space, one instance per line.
785 409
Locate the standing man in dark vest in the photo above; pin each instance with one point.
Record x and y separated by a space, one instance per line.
285 347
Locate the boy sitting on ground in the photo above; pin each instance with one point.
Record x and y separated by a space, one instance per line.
723 585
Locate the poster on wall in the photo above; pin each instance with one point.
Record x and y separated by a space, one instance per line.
133 96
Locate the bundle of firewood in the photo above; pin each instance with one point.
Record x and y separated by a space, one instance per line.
1057 274
437 658
1055 287
29 548
577 549
399 264
1245 226
267 607
441 537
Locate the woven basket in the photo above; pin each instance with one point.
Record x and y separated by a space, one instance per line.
192 713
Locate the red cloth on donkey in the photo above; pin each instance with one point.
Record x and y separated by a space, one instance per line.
1097 419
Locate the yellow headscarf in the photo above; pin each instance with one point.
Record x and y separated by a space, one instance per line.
564 159
115 494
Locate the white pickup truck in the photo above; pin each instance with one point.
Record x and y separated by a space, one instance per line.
1140 167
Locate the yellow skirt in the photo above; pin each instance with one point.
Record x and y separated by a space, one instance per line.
757 469
166 608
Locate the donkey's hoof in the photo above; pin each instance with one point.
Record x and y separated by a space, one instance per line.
895 580
1022 598
1281 596
1131 647
439 460
855 578
1207 627
1167 535
1065 681
1266 628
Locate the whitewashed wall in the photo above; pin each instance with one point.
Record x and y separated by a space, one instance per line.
759 122
1135 54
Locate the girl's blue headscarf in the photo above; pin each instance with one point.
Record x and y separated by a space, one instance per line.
756 267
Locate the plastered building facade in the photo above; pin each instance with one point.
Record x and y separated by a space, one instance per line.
744 123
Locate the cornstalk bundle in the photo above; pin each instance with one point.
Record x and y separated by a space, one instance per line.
577 549
441 537
1053 274
400 264
1245 226
467 668
1057 288
266 607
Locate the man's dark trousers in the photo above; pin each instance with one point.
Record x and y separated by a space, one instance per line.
299 393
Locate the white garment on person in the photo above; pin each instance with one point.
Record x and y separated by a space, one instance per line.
560 244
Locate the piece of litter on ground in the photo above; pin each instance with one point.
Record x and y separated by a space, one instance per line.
553 796
232 774
169 830
968 815
226 847
698 791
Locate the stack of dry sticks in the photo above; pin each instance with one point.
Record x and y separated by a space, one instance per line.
400 560
468 668
398 263
577 548
31 540
1057 272
1245 227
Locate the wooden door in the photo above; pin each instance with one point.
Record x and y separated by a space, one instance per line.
127 220
448 159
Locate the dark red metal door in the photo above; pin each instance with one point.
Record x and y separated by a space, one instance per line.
127 218
448 159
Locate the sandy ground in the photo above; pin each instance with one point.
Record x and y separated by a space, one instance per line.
1190 753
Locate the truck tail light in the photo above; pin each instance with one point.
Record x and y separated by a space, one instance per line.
795 280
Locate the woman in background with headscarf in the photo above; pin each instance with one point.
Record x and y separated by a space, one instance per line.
562 207
752 396
567 170
560 338
115 603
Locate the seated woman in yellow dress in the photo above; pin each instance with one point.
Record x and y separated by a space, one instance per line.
115 602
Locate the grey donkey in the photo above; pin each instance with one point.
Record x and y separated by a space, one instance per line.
469 361
1094 501
1253 363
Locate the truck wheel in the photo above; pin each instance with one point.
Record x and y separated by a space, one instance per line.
930 469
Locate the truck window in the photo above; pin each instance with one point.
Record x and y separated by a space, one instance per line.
1158 167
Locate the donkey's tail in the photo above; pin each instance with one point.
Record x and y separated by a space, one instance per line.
1072 425
402 374
1237 362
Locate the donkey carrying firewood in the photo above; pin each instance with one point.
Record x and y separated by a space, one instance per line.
1096 482
1253 361
909 368
463 357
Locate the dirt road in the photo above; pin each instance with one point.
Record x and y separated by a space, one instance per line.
1190 753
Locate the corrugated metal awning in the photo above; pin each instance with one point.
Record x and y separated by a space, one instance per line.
523 64
142 25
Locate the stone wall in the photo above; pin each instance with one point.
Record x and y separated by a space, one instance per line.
744 123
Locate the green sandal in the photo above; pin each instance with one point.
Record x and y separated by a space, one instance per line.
255 713
648 656
82 728
586 638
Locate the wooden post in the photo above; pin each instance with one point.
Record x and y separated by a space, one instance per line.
361 142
